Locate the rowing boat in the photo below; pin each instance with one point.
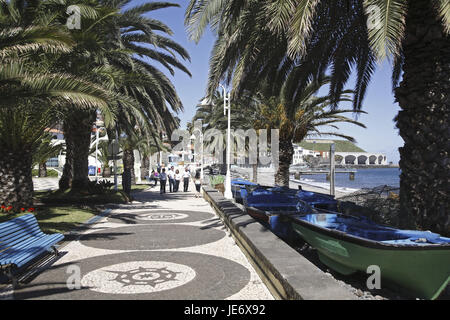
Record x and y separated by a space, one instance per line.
417 262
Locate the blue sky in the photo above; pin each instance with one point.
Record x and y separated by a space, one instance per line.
379 136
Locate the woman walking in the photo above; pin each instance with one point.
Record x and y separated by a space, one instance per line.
177 180
162 181
198 185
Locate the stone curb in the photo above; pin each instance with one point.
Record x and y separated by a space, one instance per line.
287 274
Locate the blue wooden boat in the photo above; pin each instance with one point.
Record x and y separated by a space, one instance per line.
314 199
416 262
271 209
239 189
265 204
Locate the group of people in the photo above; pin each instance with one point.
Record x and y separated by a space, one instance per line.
174 177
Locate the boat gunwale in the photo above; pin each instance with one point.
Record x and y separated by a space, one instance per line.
363 241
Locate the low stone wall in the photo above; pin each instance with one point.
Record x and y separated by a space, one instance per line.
287 274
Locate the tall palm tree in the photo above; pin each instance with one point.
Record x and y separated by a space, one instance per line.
298 114
415 34
244 112
125 61
46 150
136 141
33 92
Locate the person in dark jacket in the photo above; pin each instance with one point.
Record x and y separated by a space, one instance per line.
162 180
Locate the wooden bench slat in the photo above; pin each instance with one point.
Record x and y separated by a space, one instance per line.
18 245
23 256
25 219
20 256
30 242
30 230
29 225
21 240
6 241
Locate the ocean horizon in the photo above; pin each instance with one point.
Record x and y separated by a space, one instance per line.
364 178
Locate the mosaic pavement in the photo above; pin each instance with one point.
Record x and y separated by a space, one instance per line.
160 247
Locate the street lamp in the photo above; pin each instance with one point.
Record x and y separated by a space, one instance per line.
227 106
201 151
98 125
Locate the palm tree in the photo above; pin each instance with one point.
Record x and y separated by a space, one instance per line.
131 141
32 92
127 41
244 112
298 114
46 150
415 34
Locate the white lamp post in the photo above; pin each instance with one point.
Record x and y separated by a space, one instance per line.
201 151
227 106
98 125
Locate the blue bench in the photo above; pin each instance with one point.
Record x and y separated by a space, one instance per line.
21 240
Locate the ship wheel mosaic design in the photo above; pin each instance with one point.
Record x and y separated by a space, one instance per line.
138 277
145 276
161 216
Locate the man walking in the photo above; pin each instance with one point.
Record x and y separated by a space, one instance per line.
186 176
171 176
162 181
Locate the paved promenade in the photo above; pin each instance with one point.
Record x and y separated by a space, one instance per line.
170 246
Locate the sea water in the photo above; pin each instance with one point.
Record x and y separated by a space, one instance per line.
364 178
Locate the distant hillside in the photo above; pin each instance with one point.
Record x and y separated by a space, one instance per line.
341 146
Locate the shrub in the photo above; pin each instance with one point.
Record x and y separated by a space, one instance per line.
99 187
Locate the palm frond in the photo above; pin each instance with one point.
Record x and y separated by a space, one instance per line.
386 25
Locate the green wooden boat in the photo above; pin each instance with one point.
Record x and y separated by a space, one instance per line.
414 262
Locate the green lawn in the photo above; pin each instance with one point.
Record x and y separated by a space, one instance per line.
61 212
57 219
140 187
70 197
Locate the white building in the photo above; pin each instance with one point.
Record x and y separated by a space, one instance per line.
300 152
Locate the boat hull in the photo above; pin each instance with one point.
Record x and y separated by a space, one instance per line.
420 271
279 224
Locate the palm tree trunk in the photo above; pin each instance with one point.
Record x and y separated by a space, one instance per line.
106 173
42 170
65 182
16 182
285 158
423 96
145 167
255 173
78 130
128 163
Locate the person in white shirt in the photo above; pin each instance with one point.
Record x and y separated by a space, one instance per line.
171 177
186 176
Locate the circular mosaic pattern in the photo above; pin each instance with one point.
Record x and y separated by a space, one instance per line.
159 216
138 277
151 237
155 275
162 216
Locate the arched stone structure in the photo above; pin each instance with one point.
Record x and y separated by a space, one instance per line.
362 159
350 159
338 159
